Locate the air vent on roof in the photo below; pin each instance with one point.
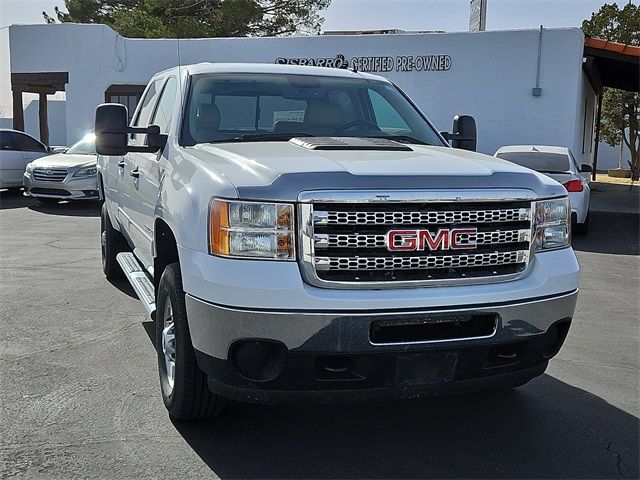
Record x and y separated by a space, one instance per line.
349 143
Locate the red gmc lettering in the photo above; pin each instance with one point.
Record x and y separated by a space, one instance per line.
407 238
444 239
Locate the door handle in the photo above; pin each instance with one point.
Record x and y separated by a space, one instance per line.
121 164
135 173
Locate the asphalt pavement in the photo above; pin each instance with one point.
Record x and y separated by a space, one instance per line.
79 394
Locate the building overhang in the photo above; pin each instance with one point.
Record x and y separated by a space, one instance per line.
611 64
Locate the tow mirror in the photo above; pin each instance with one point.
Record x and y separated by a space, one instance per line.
586 168
111 129
112 132
464 134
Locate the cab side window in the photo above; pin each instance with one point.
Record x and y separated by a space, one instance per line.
146 108
162 116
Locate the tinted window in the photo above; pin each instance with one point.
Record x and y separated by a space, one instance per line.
5 141
225 107
20 142
538 161
163 114
387 117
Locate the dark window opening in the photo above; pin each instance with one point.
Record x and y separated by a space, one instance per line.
127 95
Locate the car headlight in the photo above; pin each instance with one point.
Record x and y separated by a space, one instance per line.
30 167
552 223
251 229
86 172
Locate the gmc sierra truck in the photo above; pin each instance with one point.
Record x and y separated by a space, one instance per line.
305 234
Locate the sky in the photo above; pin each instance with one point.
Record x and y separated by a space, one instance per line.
447 15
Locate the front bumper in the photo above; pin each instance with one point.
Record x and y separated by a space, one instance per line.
331 354
81 188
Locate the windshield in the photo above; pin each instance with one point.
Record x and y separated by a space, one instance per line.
86 146
267 107
539 161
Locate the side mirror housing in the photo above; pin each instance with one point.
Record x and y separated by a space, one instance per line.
464 133
112 132
586 168
111 129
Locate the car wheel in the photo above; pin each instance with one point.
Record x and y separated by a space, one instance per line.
184 387
48 201
582 228
111 244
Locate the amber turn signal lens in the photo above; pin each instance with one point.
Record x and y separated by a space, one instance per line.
218 227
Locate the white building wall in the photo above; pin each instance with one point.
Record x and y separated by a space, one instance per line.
491 74
6 103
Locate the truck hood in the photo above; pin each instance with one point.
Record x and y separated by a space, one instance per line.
65 160
281 170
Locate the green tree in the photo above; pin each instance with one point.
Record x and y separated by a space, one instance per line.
196 18
620 109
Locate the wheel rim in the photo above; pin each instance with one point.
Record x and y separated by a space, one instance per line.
169 345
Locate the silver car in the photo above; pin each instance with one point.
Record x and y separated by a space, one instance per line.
70 175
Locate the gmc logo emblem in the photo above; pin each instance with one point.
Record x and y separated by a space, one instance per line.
443 239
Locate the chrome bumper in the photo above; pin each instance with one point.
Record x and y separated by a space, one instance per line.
214 328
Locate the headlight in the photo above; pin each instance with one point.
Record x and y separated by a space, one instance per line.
30 167
86 172
552 225
251 229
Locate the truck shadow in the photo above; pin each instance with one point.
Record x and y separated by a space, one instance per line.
609 232
547 429
10 199
81 208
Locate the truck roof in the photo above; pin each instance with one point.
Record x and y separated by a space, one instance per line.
257 68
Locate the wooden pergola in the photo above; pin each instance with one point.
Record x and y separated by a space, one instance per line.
42 83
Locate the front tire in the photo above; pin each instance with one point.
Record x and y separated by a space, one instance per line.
184 387
111 244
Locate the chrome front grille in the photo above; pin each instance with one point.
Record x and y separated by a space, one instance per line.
414 263
358 240
49 174
344 237
419 218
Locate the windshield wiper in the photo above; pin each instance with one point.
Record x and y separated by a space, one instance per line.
263 137
399 138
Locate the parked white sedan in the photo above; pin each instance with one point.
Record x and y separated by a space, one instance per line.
70 175
17 149
559 164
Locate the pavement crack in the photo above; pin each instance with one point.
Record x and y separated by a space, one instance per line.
111 333
596 364
618 458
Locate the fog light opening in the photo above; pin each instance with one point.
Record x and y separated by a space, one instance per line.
258 360
556 335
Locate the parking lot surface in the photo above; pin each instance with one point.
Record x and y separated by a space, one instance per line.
79 392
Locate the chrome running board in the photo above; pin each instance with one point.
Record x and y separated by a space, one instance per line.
139 280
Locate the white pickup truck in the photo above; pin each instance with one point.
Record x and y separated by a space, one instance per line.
305 234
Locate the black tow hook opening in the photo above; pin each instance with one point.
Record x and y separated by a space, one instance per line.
258 360
339 368
503 355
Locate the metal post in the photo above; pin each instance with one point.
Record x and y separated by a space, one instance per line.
597 139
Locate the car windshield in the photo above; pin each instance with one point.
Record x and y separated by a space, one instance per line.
274 107
539 161
86 146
